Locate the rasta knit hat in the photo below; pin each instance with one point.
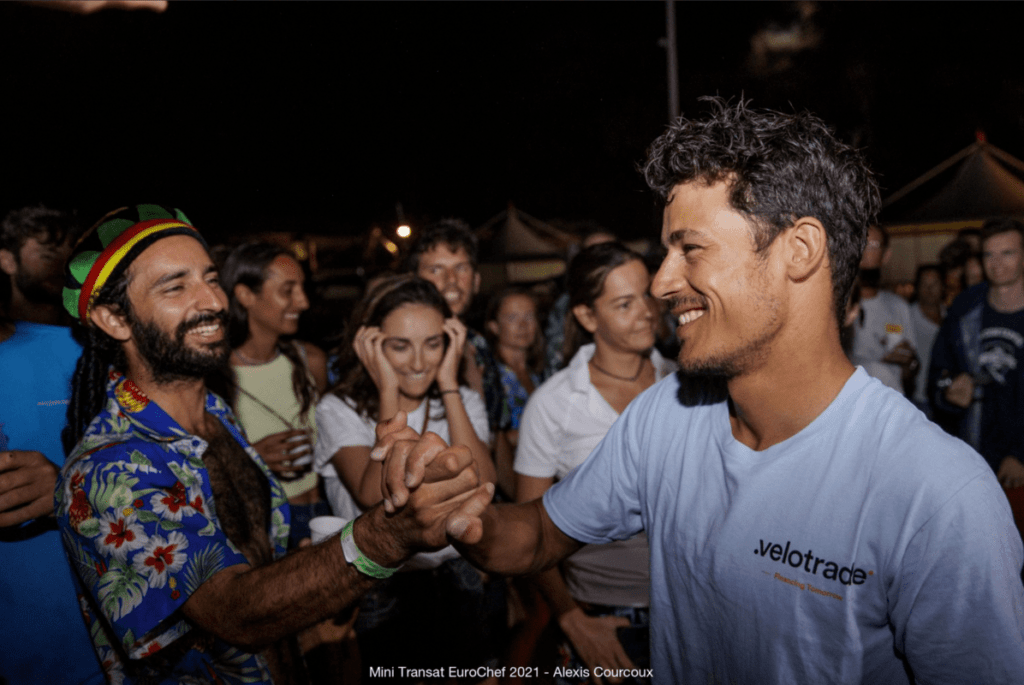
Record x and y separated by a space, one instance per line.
106 250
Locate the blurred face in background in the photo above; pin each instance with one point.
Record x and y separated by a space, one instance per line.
37 271
623 316
930 290
973 272
280 300
1003 258
453 274
515 325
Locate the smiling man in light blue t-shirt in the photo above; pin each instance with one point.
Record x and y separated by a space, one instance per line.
807 524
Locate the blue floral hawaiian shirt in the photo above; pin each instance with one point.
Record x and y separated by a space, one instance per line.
493 394
139 525
515 396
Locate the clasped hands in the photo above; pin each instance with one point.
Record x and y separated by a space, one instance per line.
435 485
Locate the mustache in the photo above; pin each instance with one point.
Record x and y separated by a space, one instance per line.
187 325
687 301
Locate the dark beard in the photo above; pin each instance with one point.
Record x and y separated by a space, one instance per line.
170 359
729 365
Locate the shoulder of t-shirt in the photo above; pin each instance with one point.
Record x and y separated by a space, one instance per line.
913 449
333 405
669 404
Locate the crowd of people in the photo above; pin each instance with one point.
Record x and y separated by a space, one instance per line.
953 343
166 440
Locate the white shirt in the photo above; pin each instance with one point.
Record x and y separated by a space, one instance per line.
564 420
886 322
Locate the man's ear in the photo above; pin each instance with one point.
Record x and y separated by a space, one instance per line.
244 295
8 264
112 323
585 316
805 247
476 282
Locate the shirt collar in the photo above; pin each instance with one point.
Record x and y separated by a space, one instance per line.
149 419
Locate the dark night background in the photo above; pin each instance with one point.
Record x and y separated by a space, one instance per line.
318 117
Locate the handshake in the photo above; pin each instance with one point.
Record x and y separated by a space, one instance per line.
431 490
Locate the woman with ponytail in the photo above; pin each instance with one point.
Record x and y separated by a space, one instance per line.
601 593
276 380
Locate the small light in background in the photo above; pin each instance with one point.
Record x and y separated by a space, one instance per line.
403 231
299 250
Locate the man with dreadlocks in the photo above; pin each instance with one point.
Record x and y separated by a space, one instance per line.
175 528
807 524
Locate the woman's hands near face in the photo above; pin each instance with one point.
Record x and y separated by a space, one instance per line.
369 347
448 372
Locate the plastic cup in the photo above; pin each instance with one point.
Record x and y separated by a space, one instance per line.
323 527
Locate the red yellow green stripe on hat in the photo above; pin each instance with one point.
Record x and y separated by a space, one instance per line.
110 246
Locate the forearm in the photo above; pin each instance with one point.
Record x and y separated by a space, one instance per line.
359 474
518 539
253 607
462 433
552 586
504 456
388 403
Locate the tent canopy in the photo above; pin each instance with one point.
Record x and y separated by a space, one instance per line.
978 182
514 234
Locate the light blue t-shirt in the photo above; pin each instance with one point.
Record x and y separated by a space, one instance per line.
868 535
43 636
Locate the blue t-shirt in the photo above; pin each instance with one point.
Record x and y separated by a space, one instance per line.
44 639
868 537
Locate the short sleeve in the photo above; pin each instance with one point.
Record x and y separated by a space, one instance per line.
957 604
538 439
599 501
139 528
338 425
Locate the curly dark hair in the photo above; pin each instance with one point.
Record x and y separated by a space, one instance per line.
454 233
355 385
780 167
47 225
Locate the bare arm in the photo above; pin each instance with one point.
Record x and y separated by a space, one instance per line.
462 433
504 455
251 607
360 476
459 426
509 539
